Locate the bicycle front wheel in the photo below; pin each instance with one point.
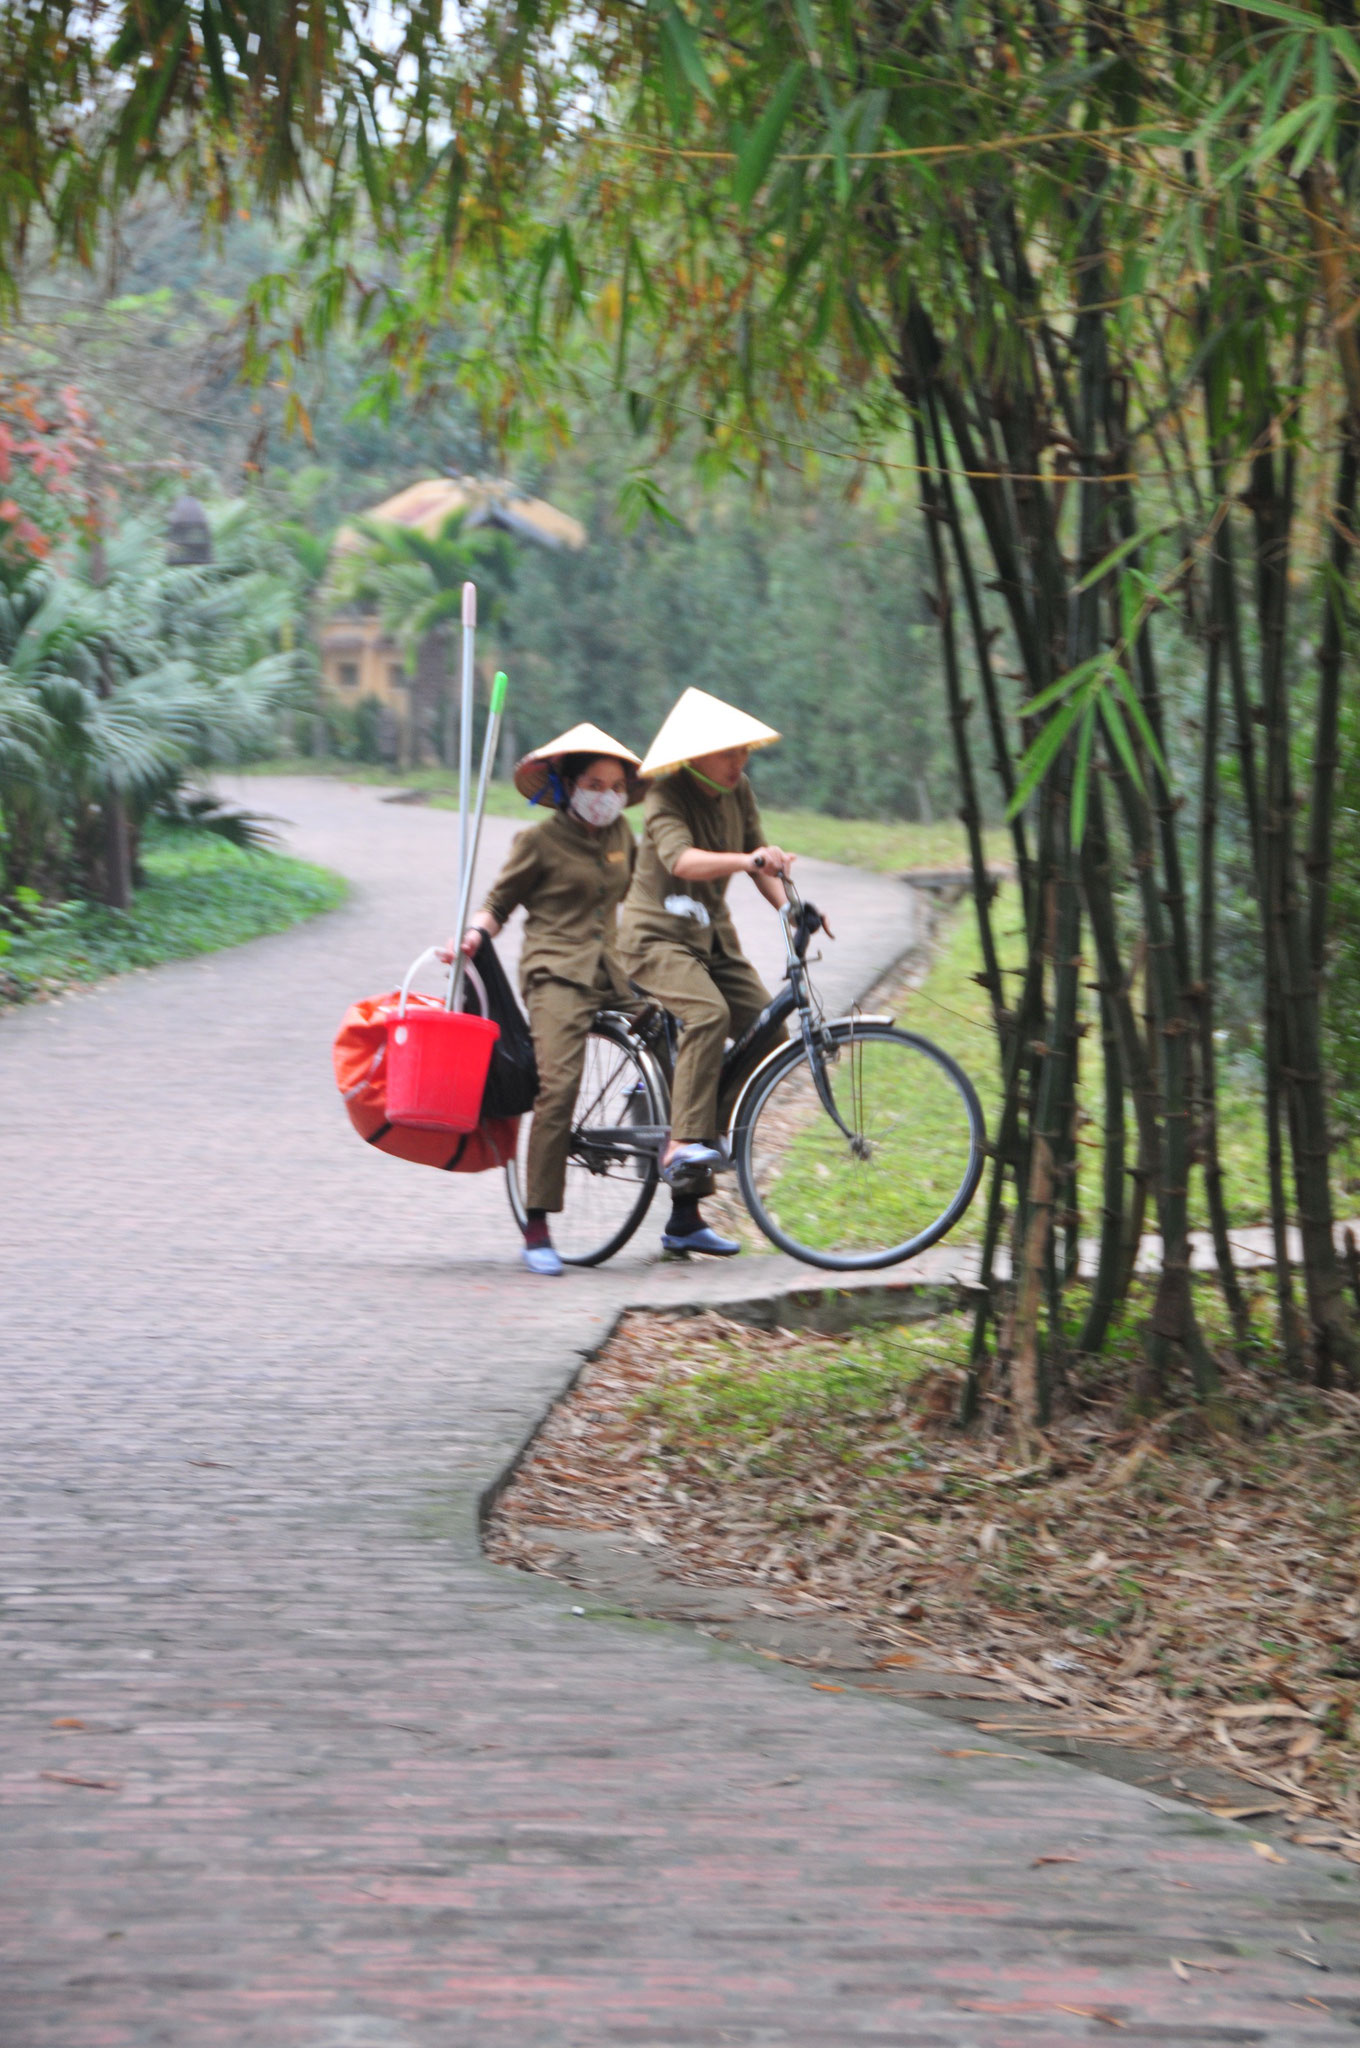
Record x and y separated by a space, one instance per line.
617 1129
894 1180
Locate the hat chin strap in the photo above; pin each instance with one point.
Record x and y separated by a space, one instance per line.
720 788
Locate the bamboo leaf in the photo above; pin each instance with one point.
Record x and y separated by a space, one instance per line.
807 26
1346 48
571 265
1033 765
1277 11
1123 682
625 313
640 496
1315 137
217 70
1112 719
1066 683
368 166
1081 773
1273 139
1116 555
684 46
756 158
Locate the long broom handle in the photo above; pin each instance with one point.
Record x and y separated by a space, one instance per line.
465 725
493 726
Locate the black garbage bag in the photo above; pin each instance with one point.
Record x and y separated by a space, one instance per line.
512 1080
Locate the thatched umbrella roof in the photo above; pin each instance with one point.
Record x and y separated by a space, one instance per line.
484 501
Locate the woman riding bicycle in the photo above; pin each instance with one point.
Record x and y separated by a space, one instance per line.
570 872
677 939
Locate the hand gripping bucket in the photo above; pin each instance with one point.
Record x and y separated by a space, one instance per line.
437 1063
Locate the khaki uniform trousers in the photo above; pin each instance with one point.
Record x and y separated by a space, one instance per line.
560 1017
714 997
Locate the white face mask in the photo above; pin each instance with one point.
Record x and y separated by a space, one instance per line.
598 807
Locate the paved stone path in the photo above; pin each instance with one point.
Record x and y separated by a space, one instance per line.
287 1764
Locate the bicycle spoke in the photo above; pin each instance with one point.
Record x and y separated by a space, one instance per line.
901 1176
607 1190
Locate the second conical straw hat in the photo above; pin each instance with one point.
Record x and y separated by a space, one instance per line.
531 776
700 724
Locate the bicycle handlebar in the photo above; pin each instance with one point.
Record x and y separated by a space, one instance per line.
802 919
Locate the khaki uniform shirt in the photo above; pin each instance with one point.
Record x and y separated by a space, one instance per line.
571 881
682 812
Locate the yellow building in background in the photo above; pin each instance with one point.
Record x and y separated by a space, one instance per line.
360 659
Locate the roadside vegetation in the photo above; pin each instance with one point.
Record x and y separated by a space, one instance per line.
1186 1581
135 655
199 893
949 1003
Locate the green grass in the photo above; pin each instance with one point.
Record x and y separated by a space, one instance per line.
831 1201
951 1007
200 894
885 846
752 1420
912 1115
826 1199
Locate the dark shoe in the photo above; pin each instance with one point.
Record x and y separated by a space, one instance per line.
693 1159
701 1240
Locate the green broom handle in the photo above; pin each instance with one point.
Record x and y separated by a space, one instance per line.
493 726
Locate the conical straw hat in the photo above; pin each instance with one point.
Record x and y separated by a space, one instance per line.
700 724
531 776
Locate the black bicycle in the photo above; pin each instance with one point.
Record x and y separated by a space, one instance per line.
855 1144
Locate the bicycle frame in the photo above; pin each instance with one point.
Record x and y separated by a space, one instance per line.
644 1141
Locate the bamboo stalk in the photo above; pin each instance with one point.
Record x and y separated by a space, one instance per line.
969 813
1322 806
1002 764
1208 971
1108 1281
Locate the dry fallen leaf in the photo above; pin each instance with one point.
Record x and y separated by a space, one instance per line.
1140 1658
1179 1967
91 1784
1053 1859
1013 1755
1264 1710
68 1721
854 1533
1270 1855
903 1657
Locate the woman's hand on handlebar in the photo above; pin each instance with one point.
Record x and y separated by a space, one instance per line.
772 860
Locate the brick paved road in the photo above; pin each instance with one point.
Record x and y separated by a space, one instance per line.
327 1779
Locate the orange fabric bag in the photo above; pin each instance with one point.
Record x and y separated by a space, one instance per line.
360 1057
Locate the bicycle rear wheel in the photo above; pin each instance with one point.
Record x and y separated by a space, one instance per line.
904 1175
612 1160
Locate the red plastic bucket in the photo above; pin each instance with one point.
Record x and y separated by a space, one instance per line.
437 1063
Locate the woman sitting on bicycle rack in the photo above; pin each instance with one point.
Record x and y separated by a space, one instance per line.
570 872
677 938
